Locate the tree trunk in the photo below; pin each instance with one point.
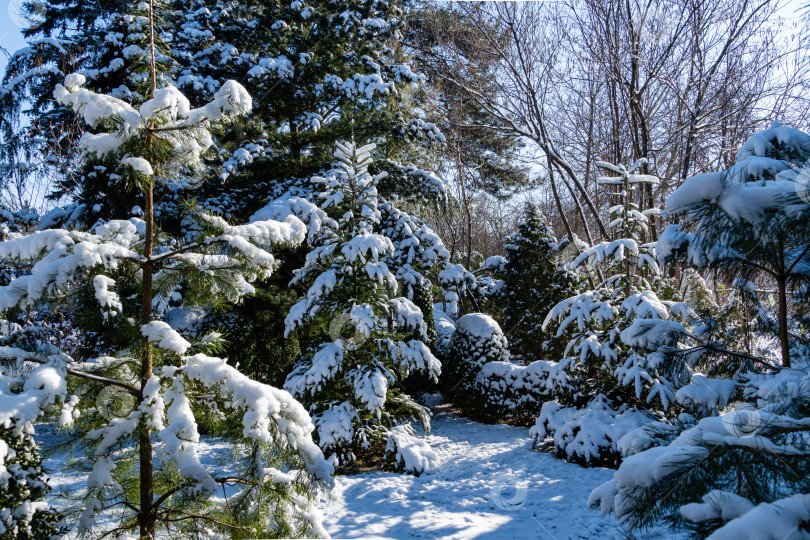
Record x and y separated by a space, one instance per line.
784 337
147 515
146 518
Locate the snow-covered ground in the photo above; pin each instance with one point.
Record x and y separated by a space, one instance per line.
489 484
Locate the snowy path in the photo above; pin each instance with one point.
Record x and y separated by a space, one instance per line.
489 484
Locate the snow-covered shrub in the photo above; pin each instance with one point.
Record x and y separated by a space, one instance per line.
18 221
24 514
367 339
492 387
477 341
410 453
588 435
460 288
445 328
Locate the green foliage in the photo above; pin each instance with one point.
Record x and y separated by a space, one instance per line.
477 341
254 330
739 471
24 514
534 281
364 340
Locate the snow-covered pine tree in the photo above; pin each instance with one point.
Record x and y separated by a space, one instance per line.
168 380
621 333
739 473
109 45
320 71
341 60
367 338
534 281
750 224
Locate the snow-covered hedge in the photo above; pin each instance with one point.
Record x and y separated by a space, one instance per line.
445 328
508 391
480 376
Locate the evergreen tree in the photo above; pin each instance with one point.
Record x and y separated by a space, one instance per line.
622 329
623 357
751 224
106 42
367 339
738 472
481 160
534 281
168 379
320 73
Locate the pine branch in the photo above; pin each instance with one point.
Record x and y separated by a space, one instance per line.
95 378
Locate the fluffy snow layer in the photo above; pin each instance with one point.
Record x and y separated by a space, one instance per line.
479 325
488 483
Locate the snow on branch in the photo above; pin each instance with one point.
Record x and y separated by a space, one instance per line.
269 415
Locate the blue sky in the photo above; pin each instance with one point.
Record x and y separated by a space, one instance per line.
10 37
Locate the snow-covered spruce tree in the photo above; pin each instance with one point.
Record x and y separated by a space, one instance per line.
369 338
418 254
343 65
738 473
169 380
533 283
621 336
